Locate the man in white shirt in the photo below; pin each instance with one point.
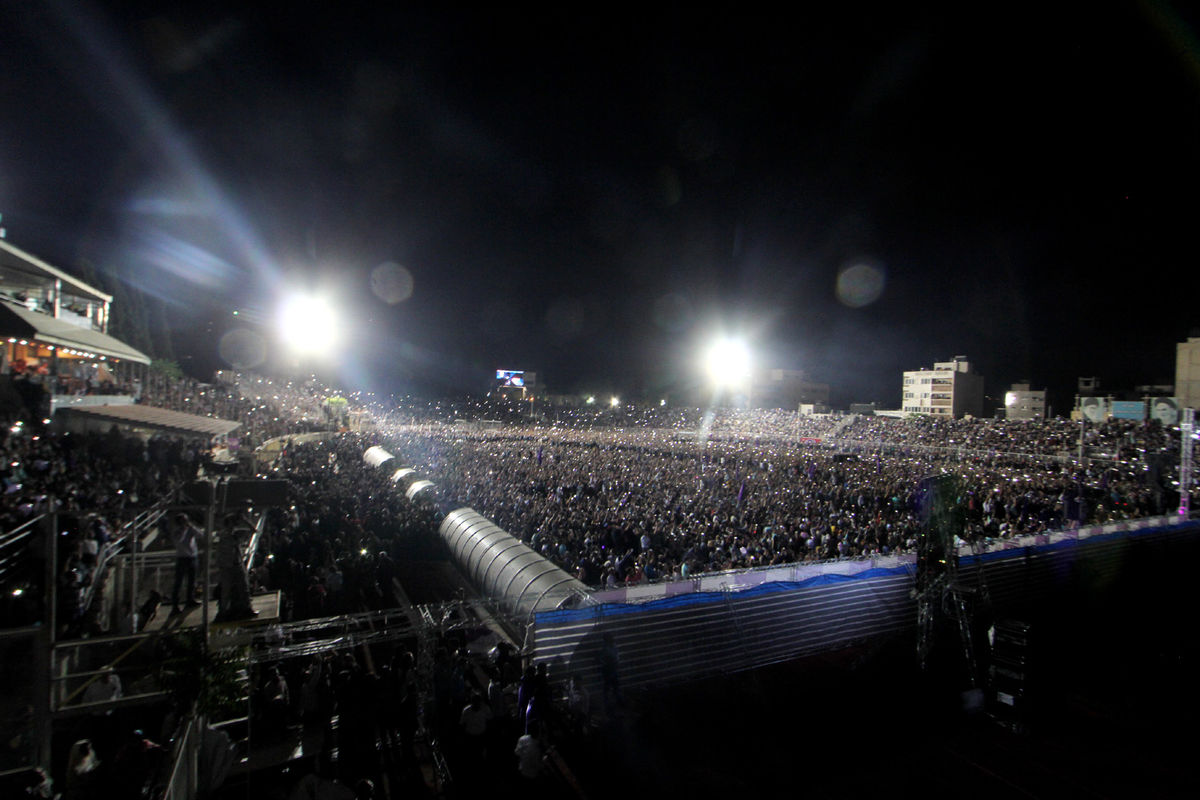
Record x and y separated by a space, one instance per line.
186 538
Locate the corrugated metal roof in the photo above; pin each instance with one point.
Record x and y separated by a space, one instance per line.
23 323
505 568
152 417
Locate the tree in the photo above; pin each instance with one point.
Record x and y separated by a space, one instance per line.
211 682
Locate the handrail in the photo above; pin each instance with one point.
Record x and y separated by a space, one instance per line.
252 547
19 532
183 779
133 529
12 540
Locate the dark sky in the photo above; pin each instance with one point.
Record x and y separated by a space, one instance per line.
593 193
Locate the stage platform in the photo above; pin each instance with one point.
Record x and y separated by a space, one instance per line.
267 605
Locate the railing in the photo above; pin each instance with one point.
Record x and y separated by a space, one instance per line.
340 632
13 544
252 547
74 668
61 401
183 780
883 445
1072 534
126 542
756 576
130 531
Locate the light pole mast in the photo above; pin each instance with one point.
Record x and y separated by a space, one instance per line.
1186 430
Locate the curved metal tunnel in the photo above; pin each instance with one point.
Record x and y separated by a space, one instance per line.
499 564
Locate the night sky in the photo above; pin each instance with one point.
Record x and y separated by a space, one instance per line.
592 193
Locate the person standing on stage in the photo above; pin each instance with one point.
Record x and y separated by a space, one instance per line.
235 582
186 539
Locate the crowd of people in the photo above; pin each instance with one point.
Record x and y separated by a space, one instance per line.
335 548
265 407
616 496
476 718
97 483
621 505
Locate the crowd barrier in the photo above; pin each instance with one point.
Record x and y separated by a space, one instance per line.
737 580
730 622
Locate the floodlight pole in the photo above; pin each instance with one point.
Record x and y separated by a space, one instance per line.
210 517
1186 432
1082 425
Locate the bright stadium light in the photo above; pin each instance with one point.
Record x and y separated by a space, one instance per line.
728 362
307 323
614 402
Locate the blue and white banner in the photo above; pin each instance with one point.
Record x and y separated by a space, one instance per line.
1129 409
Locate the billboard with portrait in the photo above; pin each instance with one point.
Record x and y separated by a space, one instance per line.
1165 410
1094 409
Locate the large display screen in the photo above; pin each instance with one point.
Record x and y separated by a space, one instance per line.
511 377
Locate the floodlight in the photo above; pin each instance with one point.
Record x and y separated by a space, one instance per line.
308 323
728 362
614 402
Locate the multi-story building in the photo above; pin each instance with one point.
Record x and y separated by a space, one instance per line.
54 328
1187 372
1021 402
950 389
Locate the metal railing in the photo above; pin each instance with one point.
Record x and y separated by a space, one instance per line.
77 664
183 780
252 548
14 543
129 532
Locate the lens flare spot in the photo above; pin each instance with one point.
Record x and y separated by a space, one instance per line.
860 284
391 283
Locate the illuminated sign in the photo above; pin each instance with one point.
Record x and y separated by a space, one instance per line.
511 377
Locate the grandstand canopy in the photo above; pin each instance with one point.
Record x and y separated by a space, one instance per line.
21 323
152 418
21 271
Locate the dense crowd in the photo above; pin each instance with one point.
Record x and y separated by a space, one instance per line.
97 483
385 708
616 495
621 505
265 407
335 548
